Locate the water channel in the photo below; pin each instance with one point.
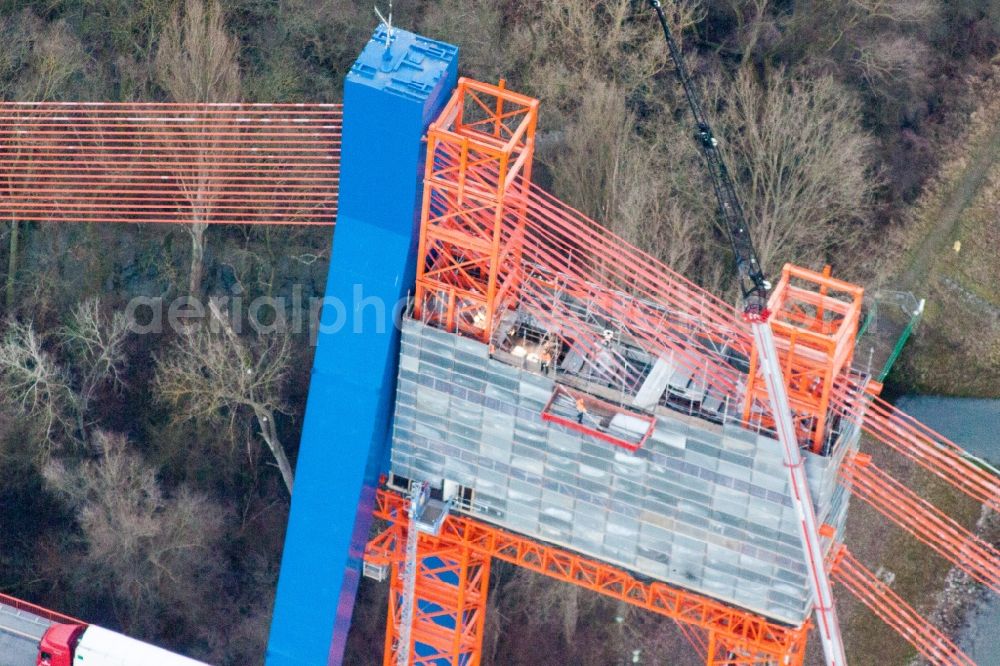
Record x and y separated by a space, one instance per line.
974 425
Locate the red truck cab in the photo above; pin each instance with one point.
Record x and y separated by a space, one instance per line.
57 645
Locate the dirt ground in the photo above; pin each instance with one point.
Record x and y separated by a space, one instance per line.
952 259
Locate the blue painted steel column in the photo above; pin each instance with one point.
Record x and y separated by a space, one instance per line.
389 99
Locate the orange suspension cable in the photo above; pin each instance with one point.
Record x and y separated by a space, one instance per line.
922 520
170 163
890 608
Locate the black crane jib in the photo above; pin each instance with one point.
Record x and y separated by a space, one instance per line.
754 287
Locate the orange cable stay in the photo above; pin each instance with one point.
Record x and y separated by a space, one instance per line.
922 520
170 163
891 609
929 449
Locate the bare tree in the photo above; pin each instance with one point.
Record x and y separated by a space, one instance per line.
196 63
57 57
889 62
555 601
587 171
618 156
606 37
579 43
59 391
749 28
477 29
647 190
147 551
95 343
35 383
38 60
213 374
801 161
833 29
893 10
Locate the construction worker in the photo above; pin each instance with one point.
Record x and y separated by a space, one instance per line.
546 359
581 410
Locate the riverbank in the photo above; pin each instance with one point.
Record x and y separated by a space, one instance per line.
942 594
979 637
963 609
966 611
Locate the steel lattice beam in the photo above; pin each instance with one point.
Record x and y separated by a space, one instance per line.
733 633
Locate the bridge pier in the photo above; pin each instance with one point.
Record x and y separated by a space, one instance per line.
390 96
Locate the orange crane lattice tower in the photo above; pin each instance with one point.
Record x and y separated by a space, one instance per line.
479 155
815 321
